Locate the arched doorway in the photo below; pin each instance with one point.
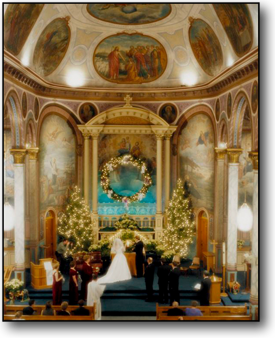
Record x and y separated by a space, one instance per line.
50 234
202 234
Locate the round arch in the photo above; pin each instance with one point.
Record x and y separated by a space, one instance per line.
30 130
223 130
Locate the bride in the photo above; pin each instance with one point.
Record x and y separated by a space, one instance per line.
118 270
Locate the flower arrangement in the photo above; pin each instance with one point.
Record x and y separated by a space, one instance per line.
168 255
126 223
236 287
240 242
14 285
103 246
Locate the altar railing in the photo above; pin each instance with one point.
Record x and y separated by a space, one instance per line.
143 221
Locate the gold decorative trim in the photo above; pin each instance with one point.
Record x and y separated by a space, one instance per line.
33 153
18 155
220 153
255 160
233 155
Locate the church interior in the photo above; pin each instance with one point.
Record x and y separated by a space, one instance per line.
130 123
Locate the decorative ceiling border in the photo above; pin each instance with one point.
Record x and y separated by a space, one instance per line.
232 77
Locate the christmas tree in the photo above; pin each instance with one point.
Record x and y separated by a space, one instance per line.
75 223
180 228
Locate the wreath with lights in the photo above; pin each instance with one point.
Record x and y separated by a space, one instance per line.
123 160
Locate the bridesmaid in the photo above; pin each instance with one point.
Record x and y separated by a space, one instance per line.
57 285
86 276
73 284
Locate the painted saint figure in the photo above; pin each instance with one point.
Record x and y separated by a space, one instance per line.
113 58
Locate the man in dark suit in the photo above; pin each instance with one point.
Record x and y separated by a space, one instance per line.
149 279
174 276
81 311
28 310
163 275
139 247
204 292
175 311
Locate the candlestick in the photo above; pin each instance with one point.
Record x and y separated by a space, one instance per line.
223 253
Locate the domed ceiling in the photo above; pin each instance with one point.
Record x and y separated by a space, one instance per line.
129 45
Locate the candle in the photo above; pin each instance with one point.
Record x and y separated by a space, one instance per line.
223 253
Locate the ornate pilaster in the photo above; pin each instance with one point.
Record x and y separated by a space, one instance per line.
86 136
233 168
19 211
167 138
254 253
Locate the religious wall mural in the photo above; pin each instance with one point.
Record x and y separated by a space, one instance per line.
237 23
254 97
229 105
126 180
206 46
24 105
36 108
218 109
87 111
196 160
57 161
18 22
8 168
130 58
168 112
51 46
129 14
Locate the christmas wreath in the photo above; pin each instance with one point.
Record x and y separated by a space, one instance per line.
124 160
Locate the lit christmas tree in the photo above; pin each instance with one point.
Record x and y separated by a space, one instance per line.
75 223
180 224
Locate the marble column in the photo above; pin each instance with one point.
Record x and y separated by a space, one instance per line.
86 166
167 167
233 181
19 212
95 136
33 201
254 254
219 202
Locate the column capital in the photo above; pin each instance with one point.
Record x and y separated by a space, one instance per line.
233 155
33 153
168 134
254 157
18 155
220 153
86 134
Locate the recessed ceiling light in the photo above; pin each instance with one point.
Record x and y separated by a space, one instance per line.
75 78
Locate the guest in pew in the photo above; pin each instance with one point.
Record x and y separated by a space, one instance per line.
174 276
163 275
18 315
57 285
48 311
149 279
204 292
175 311
193 311
95 291
28 311
64 311
81 310
73 284
86 276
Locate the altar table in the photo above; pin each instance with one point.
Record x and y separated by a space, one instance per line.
131 260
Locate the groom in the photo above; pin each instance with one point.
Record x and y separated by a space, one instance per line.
138 249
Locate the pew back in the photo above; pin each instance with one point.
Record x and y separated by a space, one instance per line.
51 318
207 318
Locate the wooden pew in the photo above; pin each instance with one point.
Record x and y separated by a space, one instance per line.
12 309
161 311
208 318
51 318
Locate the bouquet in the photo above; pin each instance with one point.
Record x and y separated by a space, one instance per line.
14 285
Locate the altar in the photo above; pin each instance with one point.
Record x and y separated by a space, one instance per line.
131 260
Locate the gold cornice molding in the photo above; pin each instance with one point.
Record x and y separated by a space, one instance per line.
18 155
33 153
255 159
234 155
220 153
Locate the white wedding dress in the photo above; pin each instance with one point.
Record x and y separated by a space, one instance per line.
118 270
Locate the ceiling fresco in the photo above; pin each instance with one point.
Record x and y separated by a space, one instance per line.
129 45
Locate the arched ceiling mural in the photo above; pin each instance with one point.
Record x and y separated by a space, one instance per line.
129 45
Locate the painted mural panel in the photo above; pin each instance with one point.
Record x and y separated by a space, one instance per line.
51 46
24 105
87 111
18 23
129 14
229 105
218 110
126 180
57 161
206 46
8 168
196 160
254 97
237 23
130 58
168 112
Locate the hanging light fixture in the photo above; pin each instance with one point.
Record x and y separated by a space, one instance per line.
244 215
8 209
